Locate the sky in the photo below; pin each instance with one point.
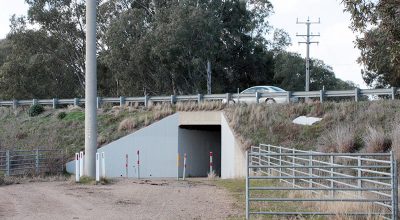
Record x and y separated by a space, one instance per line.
336 47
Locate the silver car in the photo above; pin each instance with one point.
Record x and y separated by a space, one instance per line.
263 89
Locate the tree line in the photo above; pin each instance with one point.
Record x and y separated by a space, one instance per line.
154 47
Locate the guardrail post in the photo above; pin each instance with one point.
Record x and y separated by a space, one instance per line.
288 96
321 96
228 97
356 94
8 163
76 101
98 102
55 103
34 101
257 97
121 101
146 101
173 99
394 90
199 98
15 104
37 161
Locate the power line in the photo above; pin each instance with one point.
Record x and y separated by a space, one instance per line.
308 42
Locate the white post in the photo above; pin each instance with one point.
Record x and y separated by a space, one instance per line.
138 165
97 167
77 167
184 166
81 163
177 164
90 90
211 162
103 164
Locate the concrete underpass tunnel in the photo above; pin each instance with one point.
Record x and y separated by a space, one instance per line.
197 141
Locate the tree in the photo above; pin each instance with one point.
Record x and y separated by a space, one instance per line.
377 23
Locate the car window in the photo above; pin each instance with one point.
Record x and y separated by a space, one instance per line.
250 90
277 89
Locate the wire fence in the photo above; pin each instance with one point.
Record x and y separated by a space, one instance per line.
256 97
366 182
31 162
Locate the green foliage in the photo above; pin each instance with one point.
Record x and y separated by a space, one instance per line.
61 115
35 110
377 26
75 116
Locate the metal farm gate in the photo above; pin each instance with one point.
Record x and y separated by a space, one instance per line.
309 183
31 162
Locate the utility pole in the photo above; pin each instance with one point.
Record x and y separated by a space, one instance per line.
308 42
90 91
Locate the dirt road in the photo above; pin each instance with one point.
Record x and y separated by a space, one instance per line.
123 199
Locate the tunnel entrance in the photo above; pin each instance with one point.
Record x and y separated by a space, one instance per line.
197 141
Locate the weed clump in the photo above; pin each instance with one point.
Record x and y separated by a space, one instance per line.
35 110
128 124
61 115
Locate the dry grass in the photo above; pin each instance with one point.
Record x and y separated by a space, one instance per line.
341 139
202 106
375 140
9 180
128 124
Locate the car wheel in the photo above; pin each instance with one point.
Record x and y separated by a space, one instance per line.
270 101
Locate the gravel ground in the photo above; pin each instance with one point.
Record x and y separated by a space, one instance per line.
123 199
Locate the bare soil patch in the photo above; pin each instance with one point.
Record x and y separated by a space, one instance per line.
124 199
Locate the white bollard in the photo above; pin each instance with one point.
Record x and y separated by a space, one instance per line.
97 167
138 165
103 164
211 162
177 164
82 161
77 168
184 166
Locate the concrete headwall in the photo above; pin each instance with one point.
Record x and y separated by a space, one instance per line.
160 143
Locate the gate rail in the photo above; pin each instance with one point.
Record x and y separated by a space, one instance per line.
33 162
369 178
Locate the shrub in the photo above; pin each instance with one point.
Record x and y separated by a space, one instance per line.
376 141
35 110
61 115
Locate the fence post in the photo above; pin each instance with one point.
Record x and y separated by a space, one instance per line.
269 160
8 163
359 174
247 185
394 90
394 198
321 96
280 162
55 103
257 97
356 94
34 101
259 160
37 161
199 98
293 169
332 183
310 170
121 101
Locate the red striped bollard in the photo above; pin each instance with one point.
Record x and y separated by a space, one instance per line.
138 165
126 166
184 166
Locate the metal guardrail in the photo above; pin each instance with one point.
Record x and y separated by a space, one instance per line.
33 162
322 177
321 95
